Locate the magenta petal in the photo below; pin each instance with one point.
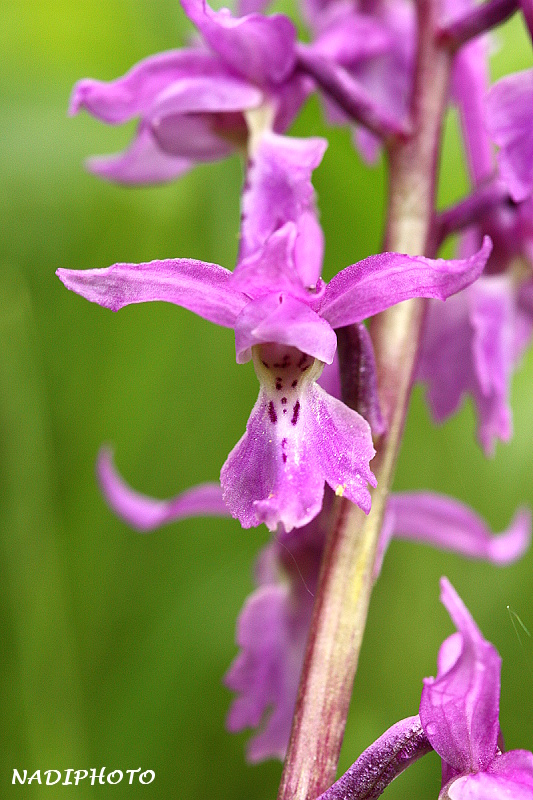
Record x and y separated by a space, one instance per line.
459 708
470 81
492 315
446 361
195 136
515 785
285 320
271 633
201 117
351 37
133 94
279 190
146 513
270 266
265 673
509 105
445 522
297 438
260 48
380 281
192 95
270 479
471 345
142 163
516 765
203 288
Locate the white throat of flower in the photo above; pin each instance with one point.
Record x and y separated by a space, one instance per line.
284 374
259 121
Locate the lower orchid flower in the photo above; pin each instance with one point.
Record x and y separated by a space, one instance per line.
459 713
458 718
273 625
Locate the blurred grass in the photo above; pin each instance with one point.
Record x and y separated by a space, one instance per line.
114 644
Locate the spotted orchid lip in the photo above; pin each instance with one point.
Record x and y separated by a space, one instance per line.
298 438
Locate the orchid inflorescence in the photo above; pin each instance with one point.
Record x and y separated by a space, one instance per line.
333 391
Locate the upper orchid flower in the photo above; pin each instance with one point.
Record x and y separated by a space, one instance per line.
474 344
367 49
284 316
459 713
191 102
510 123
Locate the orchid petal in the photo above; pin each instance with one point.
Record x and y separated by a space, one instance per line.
492 306
270 267
146 513
509 105
279 190
470 82
296 439
260 48
203 288
288 98
200 137
201 117
446 363
192 95
448 524
142 163
380 281
132 94
352 37
265 673
489 786
459 708
283 319
471 345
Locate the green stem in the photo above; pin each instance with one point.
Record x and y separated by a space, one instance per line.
345 583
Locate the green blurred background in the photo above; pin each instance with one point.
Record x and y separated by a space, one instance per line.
114 644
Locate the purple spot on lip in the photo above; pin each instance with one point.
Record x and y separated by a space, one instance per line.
295 412
294 384
284 363
284 457
272 413
283 400
279 383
